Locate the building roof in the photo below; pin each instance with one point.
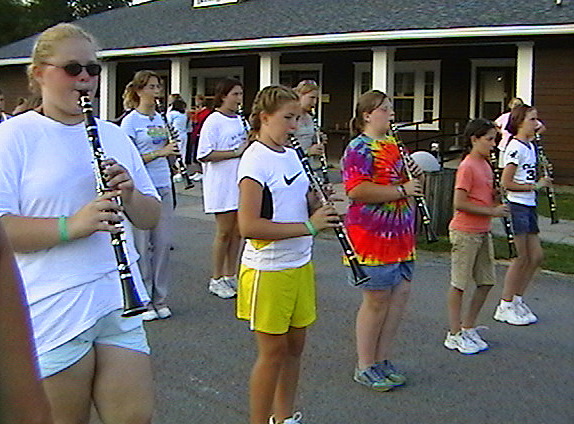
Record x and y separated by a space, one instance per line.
152 27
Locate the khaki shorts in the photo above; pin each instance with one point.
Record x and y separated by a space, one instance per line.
273 301
472 259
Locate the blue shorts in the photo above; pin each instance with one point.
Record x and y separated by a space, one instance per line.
524 219
384 277
112 329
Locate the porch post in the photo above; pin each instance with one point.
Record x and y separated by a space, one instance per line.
525 71
268 68
383 70
108 91
180 78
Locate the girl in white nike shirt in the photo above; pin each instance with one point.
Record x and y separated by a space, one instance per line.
276 282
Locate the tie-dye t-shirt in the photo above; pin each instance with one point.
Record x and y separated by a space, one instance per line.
381 233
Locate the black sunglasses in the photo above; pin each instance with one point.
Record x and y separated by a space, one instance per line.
74 69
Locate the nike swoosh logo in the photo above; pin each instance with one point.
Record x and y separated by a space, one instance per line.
288 181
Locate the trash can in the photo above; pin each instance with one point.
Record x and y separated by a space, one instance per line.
439 192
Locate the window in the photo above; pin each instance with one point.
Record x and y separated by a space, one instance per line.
204 80
291 74
416 95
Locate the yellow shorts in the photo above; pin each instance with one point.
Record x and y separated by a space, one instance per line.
273 301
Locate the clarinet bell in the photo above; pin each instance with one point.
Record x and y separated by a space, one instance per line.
132 303
359 275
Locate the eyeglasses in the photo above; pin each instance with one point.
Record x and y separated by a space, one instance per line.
74 69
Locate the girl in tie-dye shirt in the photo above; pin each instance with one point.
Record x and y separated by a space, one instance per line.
380 223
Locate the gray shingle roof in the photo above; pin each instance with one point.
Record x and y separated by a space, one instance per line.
171 22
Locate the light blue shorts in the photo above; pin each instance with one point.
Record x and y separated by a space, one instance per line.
384 277
112 329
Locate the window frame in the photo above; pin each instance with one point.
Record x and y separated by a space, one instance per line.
419 67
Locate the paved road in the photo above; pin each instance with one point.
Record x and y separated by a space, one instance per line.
203 355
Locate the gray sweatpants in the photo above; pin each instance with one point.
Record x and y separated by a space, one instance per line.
154 246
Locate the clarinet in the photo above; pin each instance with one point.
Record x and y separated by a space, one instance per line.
547 172
506 220
132 302
323 156
173 137
359 275
430 234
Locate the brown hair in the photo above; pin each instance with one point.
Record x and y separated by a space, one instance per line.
269 100
45 46
368 102
306 86
223 88
477 127
139 81
517 117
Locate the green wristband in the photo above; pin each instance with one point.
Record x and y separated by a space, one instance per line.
63 228
311 228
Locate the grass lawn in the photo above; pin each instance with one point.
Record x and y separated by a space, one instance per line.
564 205
557 257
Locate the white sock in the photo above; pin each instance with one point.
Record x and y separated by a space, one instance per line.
517 299
506 303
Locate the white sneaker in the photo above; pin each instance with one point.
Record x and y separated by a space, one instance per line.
197 176
523 309
510 315
220 288
295 419
150 315
164 312
461 343
231 281
177 178
472 334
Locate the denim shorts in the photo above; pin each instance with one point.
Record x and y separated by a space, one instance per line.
112 329
524 219
384 277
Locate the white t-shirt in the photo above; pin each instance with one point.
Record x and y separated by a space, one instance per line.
46 171
148 135
285 186
523 155
502 123
179 122
220 190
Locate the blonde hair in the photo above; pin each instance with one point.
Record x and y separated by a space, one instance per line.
45 48
139 81
368 102
269 100
306 86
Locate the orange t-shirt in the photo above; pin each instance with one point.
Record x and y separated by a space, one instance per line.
474 175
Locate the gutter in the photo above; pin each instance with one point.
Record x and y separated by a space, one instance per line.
301 40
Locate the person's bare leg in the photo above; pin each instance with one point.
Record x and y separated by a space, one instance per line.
518 270
284 399
271 353
123 386
454 305
224 232
232 256
397 305
536 256
478 298
70 391
370 319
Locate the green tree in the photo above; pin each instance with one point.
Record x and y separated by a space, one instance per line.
81 8
22 18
